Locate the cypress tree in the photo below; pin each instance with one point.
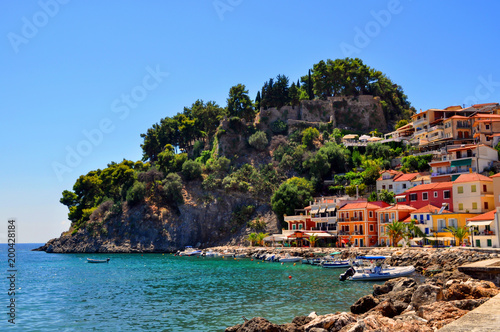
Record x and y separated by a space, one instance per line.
309 86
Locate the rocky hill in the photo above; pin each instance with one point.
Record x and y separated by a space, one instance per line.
205 219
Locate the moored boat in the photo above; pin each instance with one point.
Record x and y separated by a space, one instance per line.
332 262
190 251
290 259
375 270
91 260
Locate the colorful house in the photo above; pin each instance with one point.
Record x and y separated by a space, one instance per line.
357 223
473 193
440 223
496 188
484 229
435 194
423 217
394 181
387 215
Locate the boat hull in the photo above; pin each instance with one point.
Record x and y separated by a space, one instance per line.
336 264
385 274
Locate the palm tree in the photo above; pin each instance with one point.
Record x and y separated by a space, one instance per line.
260 238
252 238
395 230
313 239
458 232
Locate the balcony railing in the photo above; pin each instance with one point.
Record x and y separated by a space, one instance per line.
350 219
325 228
484 233
343 233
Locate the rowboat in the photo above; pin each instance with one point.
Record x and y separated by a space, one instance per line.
90 260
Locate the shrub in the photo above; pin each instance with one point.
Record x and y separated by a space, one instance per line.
279 127
258 140
309 135
136 193
191 170
172 189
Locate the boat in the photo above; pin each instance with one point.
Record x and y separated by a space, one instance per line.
375 269
90 260
331 262
190 251
227 254
290 259
211 253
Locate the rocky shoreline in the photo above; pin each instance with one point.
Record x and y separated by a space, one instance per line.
398 304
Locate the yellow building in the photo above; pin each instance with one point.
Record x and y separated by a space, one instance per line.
473 192
441 221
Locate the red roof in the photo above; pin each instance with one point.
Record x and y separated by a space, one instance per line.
431 186
397 207
482 105
495 176
472 177
364 205
486 116
429 208
406 177
485 216
458 117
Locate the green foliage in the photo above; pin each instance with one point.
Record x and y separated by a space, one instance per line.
252 238
275 93
373 197
136 193
204 157
416 163
239 103
172 189
460 233
395 230
497 147
309 135
241 214
401 123
191 170
279 127
386 196
257 224
292 194
258 140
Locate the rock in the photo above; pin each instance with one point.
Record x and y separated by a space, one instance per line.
331 322
426 294
469 304
256 324
302 320
458 292
385 324
364 304
317 329
440 313
385 308
313 315
400 306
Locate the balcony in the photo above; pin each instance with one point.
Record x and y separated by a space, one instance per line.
350 219
419 121
357 233
325 228
438 127
343 233
324 219
484 233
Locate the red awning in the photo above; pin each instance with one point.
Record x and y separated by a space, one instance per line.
345 241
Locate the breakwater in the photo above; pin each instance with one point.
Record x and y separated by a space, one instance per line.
398 304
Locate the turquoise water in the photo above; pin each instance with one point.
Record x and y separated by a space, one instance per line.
134 292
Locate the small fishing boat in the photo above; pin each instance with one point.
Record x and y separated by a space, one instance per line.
190 251
90 260
290 259
375 270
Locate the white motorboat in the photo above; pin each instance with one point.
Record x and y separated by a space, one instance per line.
332 262
290 259
190 251
375 270
211 253
227 254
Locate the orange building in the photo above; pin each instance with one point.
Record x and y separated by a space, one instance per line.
387 215
357 223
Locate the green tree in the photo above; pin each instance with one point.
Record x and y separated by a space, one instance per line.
172 189
191 170
239 103
309 135
460 233
260 238
252 238
292 194
395 231
136 194
258 140
313 239
401 123
386 196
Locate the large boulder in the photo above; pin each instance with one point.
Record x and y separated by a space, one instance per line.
438 314
331 322
385 308
364 304
385 324
426 294
256 324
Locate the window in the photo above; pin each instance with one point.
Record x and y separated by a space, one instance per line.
484 188
404 185
413 197
300 226
487 127
382 230
356 242
488 242
393 217
460 206
371 214
441 224
293 226
474 206
383 186
452 222
428 217
435 194
425 196
486 205
473 188
446 194
371 228
355 228
355 214
460 190
390 186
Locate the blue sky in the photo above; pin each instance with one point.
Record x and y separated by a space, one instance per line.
68 66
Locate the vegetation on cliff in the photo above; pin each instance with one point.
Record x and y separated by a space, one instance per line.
226 150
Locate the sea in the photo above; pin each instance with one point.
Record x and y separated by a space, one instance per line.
161 292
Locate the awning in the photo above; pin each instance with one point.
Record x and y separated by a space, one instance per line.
461 162
440 238
322 210
345 241
479 223
314 211
416 239
400 197
272 238
320 234
331 209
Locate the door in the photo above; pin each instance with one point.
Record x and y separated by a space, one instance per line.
361 242
478 243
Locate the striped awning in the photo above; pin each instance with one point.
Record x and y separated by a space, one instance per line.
479 223
461 162
315 211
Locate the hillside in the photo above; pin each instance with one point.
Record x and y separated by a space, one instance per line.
211 175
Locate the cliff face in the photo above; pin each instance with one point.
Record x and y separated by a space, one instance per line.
206 219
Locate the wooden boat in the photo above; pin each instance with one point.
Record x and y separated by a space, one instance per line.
376 270
90 260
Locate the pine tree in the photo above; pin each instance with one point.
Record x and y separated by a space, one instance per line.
309 86
257 101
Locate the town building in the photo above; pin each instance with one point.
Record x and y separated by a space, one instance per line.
435 194
386 216
484 229
496 188
473 193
